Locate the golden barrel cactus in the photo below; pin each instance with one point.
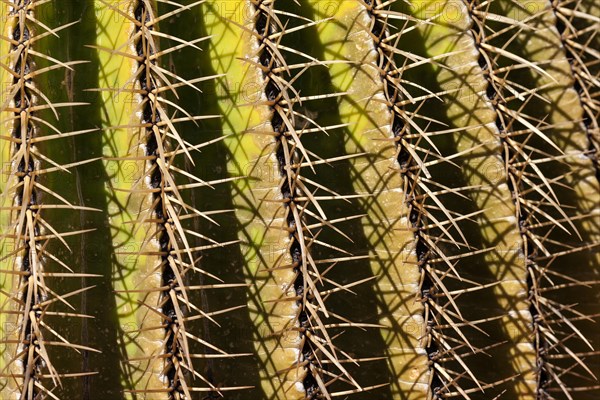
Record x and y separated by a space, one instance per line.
308 199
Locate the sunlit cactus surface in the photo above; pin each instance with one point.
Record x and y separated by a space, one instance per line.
303 200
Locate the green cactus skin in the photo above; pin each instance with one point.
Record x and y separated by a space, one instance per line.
156 270
83 186
253 156
474 116
424 225
130 270
392 255
260 246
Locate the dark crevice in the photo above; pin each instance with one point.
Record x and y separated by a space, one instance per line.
273 93
494 98
151 118
23 100
407 163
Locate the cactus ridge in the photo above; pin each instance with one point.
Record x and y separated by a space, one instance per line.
176 342
424 199
319 361
158 136
410 169
511 151
578 32
539 209
416 191
30 370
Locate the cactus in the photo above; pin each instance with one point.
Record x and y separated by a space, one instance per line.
269 199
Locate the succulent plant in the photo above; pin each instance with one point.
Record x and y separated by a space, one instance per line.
308 199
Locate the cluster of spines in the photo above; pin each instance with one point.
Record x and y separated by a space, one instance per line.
30 369
579 35
266 25
30 228
321 362
175 346
177 258
539 211
286 156
496 101
424 199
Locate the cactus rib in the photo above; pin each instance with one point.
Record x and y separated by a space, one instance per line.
165 195
578 28
516 160
266 25
530 146
391 244
411 167
319 362
158 236
28 356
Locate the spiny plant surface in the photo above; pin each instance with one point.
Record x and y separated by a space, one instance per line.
33 271
151 232
269 199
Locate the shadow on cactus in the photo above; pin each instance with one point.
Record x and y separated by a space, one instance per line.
268 199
